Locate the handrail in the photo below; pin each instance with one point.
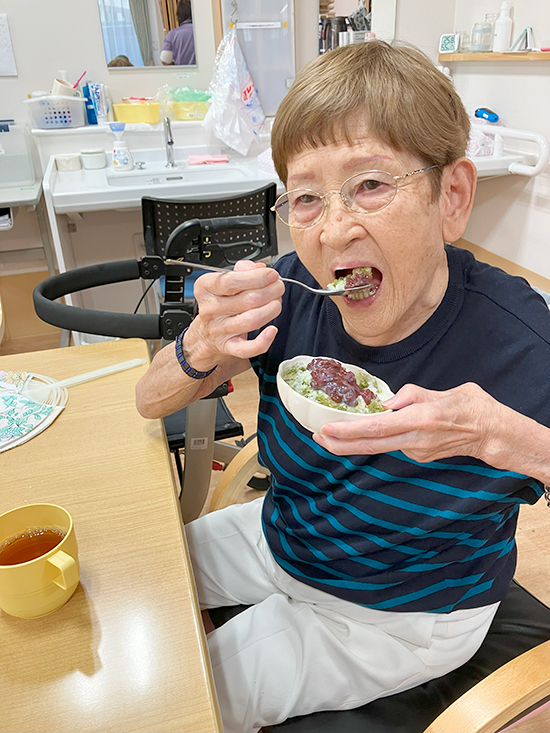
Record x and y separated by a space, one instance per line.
501 133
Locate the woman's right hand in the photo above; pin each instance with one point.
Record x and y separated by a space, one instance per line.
231 304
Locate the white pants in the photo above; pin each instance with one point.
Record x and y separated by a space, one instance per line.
298 650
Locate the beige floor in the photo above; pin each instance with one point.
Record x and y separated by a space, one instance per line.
533 556
23 330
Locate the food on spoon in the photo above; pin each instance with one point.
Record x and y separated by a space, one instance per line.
326 381
358 276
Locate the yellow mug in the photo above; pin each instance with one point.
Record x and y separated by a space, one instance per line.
36 587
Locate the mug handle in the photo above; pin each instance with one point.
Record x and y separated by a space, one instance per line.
67 567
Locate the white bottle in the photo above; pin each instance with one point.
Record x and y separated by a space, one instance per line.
122 157
503 29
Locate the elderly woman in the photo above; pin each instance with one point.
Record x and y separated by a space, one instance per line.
382 549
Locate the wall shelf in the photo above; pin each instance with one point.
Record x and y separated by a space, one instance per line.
445 58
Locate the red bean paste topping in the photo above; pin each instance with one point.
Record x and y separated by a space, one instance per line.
338 383
358 278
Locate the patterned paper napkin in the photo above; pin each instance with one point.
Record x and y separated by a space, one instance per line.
13 381
20 417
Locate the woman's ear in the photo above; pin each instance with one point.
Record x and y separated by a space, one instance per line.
458 185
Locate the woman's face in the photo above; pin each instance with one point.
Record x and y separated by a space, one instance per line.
403 243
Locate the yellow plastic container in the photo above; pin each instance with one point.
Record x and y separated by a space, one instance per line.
126 112
190 110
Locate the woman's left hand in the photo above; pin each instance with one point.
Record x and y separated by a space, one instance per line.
426 426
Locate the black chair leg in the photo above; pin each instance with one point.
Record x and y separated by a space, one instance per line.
179 468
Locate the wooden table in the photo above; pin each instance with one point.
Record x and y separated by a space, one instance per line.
128 651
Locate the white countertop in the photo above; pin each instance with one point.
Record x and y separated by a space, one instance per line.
99 190
104 189
21 195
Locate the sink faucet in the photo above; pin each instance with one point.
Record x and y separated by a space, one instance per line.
169 142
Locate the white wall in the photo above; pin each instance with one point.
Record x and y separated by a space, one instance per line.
511 216
344 7
66 34
535 13
422 22
306 28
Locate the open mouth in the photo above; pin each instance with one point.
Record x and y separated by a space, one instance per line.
347 278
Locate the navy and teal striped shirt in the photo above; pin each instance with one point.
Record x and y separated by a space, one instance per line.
385 531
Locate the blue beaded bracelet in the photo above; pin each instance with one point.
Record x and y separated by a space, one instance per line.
187 368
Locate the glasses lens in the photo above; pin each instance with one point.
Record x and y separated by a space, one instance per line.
300 208
369 191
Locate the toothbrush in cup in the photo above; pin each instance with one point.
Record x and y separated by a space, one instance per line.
79 80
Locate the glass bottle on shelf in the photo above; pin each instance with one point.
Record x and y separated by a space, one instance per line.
481 36
476 37
464 42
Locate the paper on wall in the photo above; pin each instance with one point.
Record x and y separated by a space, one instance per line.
7 60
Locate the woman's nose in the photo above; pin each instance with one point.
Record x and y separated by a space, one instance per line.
340 225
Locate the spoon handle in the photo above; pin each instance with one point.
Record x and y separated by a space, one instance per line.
197 266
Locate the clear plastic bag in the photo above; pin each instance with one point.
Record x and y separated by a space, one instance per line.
480 144
235 115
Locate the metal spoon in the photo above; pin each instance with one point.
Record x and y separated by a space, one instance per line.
317 291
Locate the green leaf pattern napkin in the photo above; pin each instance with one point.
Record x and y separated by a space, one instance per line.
19 415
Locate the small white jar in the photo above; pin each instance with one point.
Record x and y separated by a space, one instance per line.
93 158
68 162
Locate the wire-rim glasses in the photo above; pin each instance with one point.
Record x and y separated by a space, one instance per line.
363 193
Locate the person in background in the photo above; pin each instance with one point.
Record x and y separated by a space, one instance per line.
179 44
381 551
120 60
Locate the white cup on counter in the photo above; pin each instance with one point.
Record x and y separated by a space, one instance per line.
93 158
62 88
68 162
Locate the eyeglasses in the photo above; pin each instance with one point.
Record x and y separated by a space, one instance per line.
364 193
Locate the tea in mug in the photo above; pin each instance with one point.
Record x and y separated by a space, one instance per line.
29 544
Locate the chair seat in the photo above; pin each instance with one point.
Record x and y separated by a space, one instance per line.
226 426
521 623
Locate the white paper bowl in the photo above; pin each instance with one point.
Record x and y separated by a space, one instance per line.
312 415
